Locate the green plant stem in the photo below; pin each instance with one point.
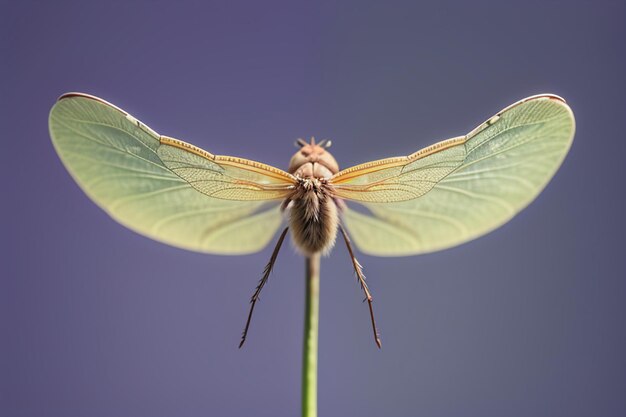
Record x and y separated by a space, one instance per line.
311 330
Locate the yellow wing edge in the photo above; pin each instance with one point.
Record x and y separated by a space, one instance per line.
373 166
241 163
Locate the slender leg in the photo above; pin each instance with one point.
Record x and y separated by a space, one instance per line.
359 273
266 274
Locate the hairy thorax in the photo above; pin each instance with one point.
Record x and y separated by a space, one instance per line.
312 210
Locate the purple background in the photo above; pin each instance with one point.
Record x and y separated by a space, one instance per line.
99 321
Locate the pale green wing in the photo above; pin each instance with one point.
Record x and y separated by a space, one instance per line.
461 188
164 188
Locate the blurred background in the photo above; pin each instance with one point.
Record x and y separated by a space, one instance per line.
526 321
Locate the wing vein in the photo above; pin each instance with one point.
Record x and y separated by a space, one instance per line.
479 196
189 213
89 122
115 148
529 185
101 162
101 178
115 204
446 219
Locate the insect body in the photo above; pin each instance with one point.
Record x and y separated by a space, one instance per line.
432 199
312 206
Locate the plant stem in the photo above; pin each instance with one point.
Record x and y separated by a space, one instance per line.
311 327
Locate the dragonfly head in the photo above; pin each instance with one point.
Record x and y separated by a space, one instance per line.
315 153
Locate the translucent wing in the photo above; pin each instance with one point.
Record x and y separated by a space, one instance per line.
164 188
458 189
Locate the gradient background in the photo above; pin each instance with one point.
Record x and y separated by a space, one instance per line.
99 321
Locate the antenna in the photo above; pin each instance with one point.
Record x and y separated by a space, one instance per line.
300 143
325 143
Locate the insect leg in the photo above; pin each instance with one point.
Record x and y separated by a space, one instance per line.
359 273
266 274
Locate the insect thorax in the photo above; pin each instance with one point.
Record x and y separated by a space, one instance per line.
313 216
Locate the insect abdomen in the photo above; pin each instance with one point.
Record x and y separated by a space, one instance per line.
313 220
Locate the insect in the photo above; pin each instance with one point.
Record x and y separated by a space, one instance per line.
435 198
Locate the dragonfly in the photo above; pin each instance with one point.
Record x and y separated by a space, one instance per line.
438 197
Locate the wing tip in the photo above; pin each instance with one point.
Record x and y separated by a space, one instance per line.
548 96
543 96
560 101
74 94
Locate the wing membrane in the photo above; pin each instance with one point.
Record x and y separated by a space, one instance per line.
164 188
459 189
401 178
224 177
